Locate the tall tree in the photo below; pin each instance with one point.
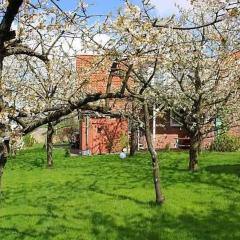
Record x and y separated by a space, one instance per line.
134 44
41 28
147 43
200 74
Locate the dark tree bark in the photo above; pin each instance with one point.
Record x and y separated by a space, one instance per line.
4 151
193 152
155 165
50 132
133 140
82 104
5 35
200 146
109 82
3 162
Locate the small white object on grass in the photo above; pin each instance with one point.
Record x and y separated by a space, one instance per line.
122 155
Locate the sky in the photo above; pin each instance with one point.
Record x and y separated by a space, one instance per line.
167 7
164 7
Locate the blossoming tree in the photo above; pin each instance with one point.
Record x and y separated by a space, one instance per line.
199 81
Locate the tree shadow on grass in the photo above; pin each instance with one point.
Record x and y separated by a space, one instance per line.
225 169
95 189
46 227
108 177
216 225
28 159
160 225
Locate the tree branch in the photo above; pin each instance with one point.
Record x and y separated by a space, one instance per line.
24 50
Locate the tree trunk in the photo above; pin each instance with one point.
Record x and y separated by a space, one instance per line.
200 146
193 153
134 131
155 165
133 141
6 35
4 151
1 174
1 108
50 132
2 165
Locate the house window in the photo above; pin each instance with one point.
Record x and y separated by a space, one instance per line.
174 122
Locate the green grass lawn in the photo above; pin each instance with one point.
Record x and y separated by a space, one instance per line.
103 197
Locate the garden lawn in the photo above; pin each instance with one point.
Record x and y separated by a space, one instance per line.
103 197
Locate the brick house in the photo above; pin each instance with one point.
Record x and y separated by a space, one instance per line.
101 134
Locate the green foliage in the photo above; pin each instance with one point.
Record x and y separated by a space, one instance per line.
38 162
101 197
66 129
67 153
225 143
29 140
123 140
167 147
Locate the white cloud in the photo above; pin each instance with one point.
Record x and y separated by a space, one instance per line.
74 46
71 46
168 7
102 39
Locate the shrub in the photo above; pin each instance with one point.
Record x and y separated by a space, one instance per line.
67 153
29 140
167 147
38 162
226 143
123 140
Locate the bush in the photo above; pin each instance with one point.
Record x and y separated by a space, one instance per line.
67 153
123 140
29 140
226 143
167 147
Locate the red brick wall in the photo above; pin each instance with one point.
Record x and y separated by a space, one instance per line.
235 131
97 78
99 141
166 135
91 68
105 135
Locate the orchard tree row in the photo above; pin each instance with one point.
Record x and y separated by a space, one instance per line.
188 65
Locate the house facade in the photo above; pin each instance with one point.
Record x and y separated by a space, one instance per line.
101 134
